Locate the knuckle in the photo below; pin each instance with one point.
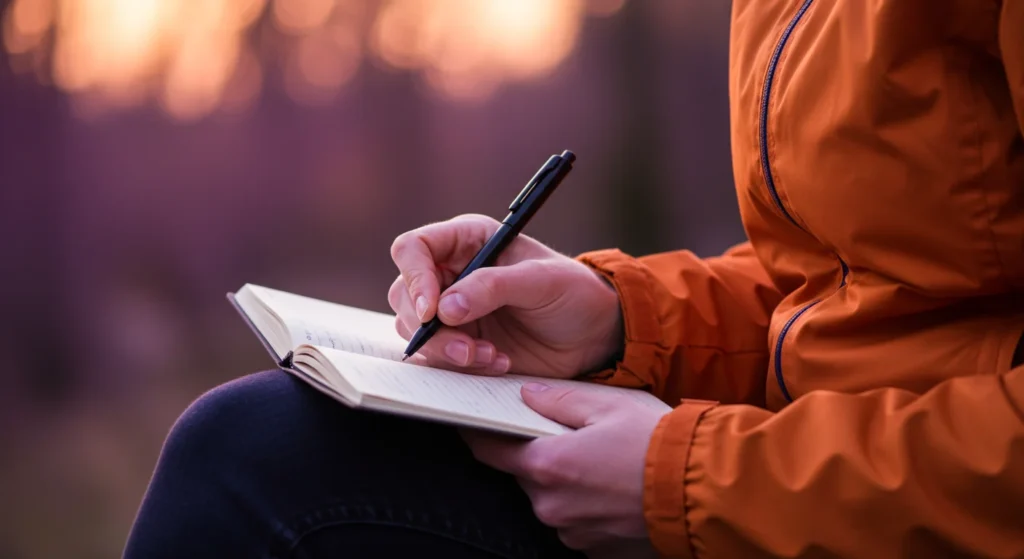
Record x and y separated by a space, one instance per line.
476 218
545 266
544 467
394 293
478 224
556 272
401 244
491 283
577 398
400 327
549 511
415 282
567 398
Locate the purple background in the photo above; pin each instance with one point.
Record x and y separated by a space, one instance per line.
121 236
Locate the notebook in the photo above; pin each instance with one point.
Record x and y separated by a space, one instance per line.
355 356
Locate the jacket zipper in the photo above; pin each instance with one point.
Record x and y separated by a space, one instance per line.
778 347
770 183
765 97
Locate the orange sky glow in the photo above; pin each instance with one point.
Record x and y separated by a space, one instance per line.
194 57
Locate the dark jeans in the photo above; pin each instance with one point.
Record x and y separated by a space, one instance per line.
265 466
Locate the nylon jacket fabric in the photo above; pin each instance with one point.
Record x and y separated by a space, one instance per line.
845 379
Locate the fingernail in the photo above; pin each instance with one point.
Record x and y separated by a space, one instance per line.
454 306
484 354
535 387
502 364
458 352
421 308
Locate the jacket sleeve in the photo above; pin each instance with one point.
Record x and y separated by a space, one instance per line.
694 327
1011 49
882 474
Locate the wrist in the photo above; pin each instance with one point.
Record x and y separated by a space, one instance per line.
615 342
611 343
640 337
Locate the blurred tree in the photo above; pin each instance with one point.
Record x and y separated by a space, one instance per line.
33 343
638 205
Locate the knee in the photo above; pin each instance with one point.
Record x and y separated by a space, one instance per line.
237 420
224 453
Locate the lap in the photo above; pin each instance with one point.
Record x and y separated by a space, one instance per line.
274 460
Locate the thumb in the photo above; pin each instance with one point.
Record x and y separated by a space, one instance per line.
529 284
574 407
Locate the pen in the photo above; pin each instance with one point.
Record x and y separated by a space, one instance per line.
525 205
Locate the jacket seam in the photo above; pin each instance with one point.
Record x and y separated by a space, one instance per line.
335 515
628 319
686 467
608 268
725 351
978 153
610 264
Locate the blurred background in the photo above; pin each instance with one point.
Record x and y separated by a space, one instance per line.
155 154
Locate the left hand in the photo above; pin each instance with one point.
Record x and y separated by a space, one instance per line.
587 484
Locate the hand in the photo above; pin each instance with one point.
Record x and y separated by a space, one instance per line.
587 484
536 311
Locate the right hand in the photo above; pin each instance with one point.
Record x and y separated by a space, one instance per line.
534 312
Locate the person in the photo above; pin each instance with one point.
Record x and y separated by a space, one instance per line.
847 382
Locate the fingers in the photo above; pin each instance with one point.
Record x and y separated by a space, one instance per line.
448 348
506 454
419 275
433 255
455 350
401 303
574 407
424 254
530 284
542 462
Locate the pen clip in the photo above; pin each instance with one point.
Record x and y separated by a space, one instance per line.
544 171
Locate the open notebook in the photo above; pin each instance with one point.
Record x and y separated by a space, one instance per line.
355 356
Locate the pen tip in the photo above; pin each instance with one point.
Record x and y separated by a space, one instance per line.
404 357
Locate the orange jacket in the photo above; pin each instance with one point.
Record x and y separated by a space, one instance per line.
847 377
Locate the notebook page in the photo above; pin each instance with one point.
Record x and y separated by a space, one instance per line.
326 324
491 398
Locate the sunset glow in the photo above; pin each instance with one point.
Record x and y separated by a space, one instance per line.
192 57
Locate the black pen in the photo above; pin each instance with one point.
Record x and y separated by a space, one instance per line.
520 211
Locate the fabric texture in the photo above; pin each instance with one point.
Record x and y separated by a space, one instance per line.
268 467
861 343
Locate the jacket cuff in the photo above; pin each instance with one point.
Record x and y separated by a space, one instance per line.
664 472
642 356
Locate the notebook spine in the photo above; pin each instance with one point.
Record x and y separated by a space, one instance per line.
286 361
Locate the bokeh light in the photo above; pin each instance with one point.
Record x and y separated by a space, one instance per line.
194 57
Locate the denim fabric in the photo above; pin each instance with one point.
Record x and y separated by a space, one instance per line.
267 467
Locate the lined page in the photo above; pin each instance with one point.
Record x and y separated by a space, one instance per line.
322 323
350 340
493 399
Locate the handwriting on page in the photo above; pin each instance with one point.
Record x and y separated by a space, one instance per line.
491 398
320 335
